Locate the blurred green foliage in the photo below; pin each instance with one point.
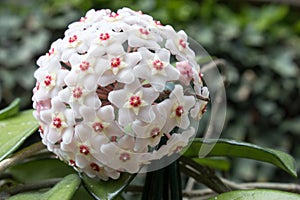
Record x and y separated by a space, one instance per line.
260 42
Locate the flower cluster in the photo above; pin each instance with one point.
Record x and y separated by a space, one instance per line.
112 88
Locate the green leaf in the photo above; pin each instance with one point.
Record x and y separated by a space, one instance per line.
232 148
10 110
64 190
15 130
37 170
106 190
256 194
215 163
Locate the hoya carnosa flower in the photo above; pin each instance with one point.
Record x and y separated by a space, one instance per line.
113 89
178 107
134 102
156 68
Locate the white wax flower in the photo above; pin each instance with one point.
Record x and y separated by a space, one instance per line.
112 88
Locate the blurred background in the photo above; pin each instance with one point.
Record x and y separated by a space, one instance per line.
259 39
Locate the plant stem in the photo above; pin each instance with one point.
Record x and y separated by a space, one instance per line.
203 174
33 186
166 184
21 155
153 189
288 187
175 181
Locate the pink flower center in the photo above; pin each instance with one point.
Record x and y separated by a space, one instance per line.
77 92
104 36
158 23
82 19
154 132
135 101
182 43
95 167
73 38
125 156
115 62
158 65
56 122
48 80
178 149
84 65
84 150
186 70
144 31
179 111
50 52
98 127
113 15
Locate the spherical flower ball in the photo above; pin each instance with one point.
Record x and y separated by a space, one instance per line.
111 89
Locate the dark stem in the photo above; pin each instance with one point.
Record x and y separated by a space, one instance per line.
153 188
21 155
175 181
203 174
32 186
166 185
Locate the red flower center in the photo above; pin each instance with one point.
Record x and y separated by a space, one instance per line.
84 150
144 31
135 101
113 15
41 130
73 38
72 163
77 92
56 122
48 80
104 36
113 138
50 52
124 156
179 111
98 127
95 167
115 62
154 132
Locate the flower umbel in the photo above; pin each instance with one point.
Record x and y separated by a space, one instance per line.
112 88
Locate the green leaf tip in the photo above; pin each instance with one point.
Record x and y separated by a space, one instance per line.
15 130
10 110
232 148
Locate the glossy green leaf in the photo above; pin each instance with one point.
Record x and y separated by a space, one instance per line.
215 163
64 190
14 130
231 148
37 170
257 194
106 190
10 110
